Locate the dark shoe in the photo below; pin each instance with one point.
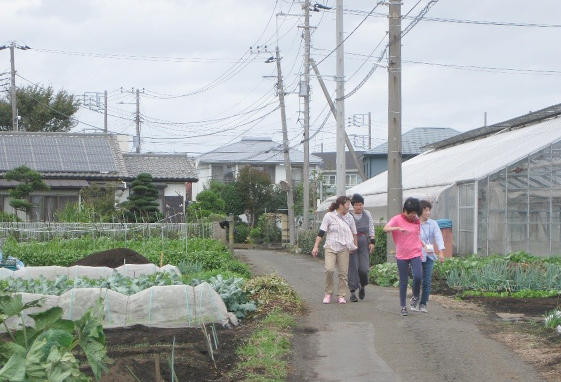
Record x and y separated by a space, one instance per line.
361 293
353 298
404 311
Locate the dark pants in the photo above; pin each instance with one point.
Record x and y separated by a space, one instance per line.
416 270
427 280
359 263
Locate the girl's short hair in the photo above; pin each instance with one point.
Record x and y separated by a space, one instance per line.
357 198
412 205
425 204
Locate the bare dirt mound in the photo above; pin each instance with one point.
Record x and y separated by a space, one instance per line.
113 258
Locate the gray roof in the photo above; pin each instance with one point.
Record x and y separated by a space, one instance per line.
329 160
88 156
254 150
511 124
413 140
167 167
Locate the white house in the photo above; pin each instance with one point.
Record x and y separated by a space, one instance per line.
224 163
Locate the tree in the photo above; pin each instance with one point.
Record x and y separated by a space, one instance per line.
255 190
143 203
234 204
40 109
208 202
30 181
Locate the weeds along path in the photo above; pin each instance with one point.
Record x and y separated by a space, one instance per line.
370 341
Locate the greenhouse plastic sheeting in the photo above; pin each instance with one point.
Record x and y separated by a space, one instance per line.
174 306
52 272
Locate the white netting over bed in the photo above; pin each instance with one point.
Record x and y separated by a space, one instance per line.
173 306
52 272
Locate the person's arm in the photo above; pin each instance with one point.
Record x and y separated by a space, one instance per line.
389 227
439 241
352 224
322 230
371 231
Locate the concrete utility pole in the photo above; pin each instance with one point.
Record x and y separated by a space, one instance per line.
287 165
138 120
395 188
340 108
13 98
369 131
306 169
334 112
105 111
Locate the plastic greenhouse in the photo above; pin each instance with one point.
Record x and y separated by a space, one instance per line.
500 185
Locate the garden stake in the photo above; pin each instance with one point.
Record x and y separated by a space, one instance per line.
157 368
162 259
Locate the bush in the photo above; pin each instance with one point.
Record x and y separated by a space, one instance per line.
379 256
255 235
306 241
241 232
6 217
384 275
266 230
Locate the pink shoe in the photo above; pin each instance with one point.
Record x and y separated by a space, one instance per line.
341 300
327 299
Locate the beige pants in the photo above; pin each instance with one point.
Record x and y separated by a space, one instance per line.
339 260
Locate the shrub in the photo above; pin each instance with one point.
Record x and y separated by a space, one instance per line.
384 275
552 319
241 232
379 256
7 217
255 235
268 229
306 241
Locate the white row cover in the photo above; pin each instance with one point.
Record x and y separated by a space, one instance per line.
174 306
52 272
434 171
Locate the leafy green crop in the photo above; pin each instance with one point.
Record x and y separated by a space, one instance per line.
525 293
45 352
552 319
384 275
116 282
230 289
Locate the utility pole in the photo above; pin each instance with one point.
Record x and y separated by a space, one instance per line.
13 98
105 111
340 107
369 131
395 188
334 112
287 165
137 118
306 169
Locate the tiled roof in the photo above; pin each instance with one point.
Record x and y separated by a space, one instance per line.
162 166
329 160
63 154
254 150
414 139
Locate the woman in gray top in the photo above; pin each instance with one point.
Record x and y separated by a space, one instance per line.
359 261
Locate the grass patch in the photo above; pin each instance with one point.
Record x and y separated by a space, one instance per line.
264 356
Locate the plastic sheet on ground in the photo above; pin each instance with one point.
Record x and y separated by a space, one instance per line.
173 306
52 272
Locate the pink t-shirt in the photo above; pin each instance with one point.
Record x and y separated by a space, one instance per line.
407 244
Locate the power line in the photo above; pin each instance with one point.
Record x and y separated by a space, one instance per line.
488 68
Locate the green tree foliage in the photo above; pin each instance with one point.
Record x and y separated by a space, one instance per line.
255 190
142 204
40 109
233 200
208 203
29 181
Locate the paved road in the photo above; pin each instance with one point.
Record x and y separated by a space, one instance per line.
370 341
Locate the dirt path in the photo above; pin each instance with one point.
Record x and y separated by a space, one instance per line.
370 341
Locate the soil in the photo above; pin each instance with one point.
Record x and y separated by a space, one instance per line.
113 258
528 306
135 349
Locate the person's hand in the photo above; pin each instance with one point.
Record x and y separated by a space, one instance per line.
401 229
441 257
315 251
371 247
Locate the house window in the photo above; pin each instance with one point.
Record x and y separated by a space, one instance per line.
329 180
352 180
297 175
223 173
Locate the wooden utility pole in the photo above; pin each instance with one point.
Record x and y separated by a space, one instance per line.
137 120
287 165
306 169
13 97
340 108
105 111
395 188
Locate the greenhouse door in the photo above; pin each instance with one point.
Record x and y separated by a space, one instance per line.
467 209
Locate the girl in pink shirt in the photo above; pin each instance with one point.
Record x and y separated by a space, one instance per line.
405 229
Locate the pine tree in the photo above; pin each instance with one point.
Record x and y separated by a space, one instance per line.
142 204
29 181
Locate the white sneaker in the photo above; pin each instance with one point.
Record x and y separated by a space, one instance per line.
413 304
423 308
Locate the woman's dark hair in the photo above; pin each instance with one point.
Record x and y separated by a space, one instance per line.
425 204
412 205
357 198
341 200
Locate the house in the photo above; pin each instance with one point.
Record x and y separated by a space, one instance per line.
172 174
376 159
224 163
500 185
328 172
69 162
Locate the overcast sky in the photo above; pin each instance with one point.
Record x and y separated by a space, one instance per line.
192 61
